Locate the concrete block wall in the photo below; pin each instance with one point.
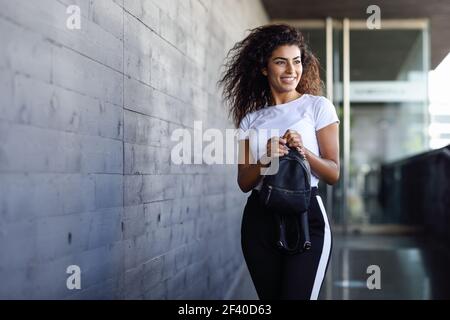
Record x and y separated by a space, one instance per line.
85 173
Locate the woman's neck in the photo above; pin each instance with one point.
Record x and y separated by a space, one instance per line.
285 97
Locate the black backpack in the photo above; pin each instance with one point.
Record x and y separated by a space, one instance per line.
286 194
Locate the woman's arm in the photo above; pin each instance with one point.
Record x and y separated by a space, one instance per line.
249 172
327 166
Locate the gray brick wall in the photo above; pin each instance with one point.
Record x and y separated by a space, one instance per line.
85 123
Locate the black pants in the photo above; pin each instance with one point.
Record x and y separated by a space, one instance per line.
275 274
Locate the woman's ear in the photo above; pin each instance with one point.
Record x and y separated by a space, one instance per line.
264 71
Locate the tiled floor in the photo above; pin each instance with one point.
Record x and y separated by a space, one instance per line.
410 268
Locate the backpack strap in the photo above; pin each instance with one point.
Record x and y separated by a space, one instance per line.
282 241
306 245
302 242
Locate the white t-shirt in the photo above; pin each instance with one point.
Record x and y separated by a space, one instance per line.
306 115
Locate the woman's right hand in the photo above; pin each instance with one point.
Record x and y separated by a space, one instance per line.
276 147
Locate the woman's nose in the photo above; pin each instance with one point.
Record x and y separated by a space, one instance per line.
289 67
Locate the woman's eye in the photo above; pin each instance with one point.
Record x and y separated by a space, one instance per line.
298 61
279 62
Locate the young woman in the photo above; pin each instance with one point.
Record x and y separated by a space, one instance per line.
272 82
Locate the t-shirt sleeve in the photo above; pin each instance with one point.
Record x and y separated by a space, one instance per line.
243 131
325 113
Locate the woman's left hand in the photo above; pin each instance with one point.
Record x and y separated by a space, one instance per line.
294 139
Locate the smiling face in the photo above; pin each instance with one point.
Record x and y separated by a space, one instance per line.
284 68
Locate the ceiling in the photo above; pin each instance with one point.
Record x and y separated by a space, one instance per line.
371 61
437 11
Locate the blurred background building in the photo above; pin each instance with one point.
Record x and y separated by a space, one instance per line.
86 117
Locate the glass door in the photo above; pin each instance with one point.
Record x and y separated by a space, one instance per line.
385 111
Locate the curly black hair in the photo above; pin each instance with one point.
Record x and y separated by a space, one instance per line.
246 89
